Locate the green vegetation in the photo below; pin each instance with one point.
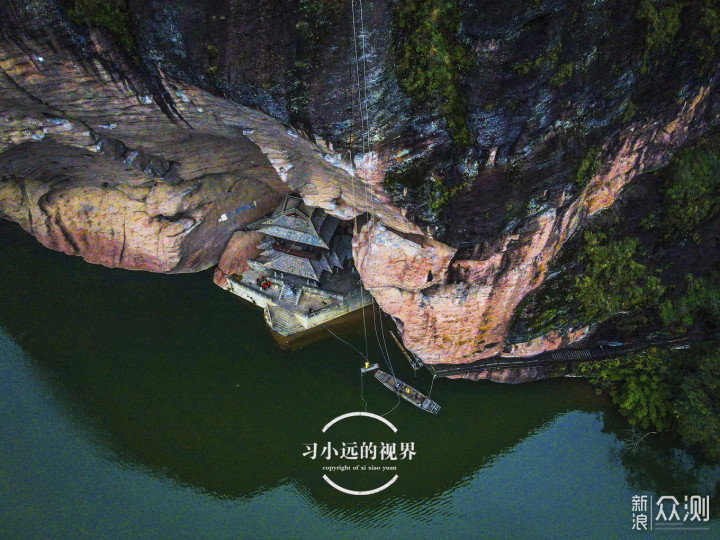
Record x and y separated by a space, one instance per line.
662 19
547 60
409 174
563 74
213 54
587 168
428 188
697 410
707 42
516 208
670 389
699 301
680 24
613 281
639 386
431 61
112 15
691 191
441 194
666 390
628 112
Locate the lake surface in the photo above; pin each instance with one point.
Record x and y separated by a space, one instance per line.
134 404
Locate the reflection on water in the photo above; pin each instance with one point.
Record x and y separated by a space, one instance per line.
128 395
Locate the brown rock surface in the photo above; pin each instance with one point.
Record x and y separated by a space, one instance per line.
516 375
95 163
98 162
466 314
548 342
241 247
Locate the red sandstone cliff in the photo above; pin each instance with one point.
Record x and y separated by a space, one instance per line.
95 163
91 164
463 313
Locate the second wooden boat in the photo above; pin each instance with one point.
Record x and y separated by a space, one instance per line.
407 392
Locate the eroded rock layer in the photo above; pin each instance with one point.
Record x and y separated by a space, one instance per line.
463 314
106 156
96 162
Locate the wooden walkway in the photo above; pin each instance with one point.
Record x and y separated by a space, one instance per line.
554 358
414 362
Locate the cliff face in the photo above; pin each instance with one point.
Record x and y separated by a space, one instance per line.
129 159
98 161
462 310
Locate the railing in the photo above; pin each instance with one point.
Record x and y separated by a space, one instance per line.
548 359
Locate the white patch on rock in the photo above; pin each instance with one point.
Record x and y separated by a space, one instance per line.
336 161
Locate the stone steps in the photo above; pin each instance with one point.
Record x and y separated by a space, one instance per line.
283 322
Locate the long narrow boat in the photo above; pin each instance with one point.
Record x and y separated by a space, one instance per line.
407 392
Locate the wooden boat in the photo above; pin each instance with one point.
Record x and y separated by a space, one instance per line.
367 367
407 392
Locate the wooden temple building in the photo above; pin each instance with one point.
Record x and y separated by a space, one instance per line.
304 275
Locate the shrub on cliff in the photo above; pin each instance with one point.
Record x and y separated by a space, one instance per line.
587 168
111 15
431 60
700 301
674 25
691 191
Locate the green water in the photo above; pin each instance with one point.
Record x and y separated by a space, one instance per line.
134 404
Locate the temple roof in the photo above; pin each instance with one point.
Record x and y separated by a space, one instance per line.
297 266
294 233
328 228
298 223
294 225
